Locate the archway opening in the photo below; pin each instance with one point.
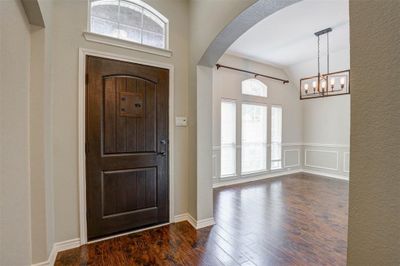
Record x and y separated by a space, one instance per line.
308 139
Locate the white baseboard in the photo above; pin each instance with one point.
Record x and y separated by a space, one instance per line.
255 178
58 247
205 223
196 224
181 217
276 174
73 243
341 177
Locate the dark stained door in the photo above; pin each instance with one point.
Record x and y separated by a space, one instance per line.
127 183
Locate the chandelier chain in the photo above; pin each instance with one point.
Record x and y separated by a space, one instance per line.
327 51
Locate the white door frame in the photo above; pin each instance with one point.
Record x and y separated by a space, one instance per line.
81 128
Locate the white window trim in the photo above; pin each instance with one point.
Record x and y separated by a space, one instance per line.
281 160
103 39
236 145
108 40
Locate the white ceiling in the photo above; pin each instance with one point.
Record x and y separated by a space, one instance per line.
287 37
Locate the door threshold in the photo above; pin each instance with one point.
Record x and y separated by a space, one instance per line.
126 233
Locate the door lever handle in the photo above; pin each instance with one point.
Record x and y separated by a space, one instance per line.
162 153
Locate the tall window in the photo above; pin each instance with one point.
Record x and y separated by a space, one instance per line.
254 138
228 138
131 20
276 137
254 87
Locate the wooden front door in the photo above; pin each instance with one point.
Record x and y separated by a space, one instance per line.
127 183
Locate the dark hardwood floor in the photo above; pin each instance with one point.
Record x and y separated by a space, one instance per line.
299 219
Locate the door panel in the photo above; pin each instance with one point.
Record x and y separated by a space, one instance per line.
127 146
137 189
130 115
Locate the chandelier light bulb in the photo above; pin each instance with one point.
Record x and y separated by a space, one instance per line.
323 85
327 83
342 81
306 88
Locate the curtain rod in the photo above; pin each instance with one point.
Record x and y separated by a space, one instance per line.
254 73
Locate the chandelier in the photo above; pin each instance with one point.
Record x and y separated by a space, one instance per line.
328 84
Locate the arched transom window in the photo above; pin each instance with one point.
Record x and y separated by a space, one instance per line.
131 20
254 87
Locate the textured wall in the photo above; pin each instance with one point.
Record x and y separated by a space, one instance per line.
374 214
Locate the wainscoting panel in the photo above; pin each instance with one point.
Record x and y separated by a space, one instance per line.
346 162
214 165
291 158
331 160
322 159
327 159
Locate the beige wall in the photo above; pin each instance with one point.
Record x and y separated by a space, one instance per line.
374 214
207 19
15 238
317 128
326 121
42 197
37 151
66 40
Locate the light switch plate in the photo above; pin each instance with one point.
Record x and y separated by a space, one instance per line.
181 121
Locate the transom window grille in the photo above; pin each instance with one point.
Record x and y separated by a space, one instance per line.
131 20
254 87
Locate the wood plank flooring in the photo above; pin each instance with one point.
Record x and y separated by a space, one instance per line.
299 219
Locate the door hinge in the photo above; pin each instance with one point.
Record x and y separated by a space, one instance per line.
86 148
86 79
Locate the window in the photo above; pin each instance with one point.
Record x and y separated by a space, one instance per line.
228 138
254 87
254 138
131 20
276 137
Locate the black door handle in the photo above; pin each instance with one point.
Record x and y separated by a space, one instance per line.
162 153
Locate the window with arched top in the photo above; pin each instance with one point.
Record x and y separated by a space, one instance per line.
131 20
254 87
